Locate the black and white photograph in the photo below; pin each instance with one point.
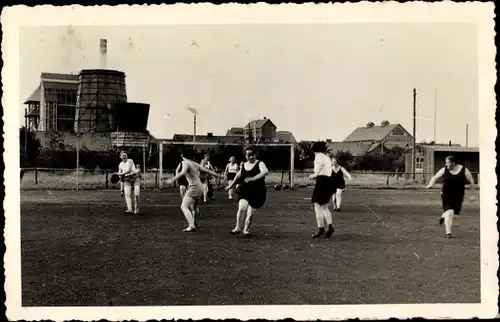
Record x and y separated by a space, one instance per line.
290 161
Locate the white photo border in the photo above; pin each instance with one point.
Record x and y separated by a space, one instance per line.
482 14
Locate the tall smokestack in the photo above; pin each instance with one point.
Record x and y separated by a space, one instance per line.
104 53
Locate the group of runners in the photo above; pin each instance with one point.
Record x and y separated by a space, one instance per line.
246 181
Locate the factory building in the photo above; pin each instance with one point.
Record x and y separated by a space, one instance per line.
91 104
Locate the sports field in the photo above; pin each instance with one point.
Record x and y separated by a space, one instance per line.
79 249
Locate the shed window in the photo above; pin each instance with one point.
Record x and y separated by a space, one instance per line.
419 163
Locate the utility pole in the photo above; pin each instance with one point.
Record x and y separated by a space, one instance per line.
435 114
466 135
414 132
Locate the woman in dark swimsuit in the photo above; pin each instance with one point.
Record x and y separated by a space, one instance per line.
251 189
338 173
455 177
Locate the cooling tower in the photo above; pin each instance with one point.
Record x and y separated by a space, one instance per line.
97 89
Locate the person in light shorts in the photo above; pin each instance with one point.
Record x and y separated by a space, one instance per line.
130 179
191 170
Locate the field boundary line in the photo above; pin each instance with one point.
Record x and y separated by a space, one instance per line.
384 224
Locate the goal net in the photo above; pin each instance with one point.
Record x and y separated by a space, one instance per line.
279 158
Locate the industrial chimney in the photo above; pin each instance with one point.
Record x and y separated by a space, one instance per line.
104 53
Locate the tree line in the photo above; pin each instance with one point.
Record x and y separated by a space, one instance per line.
56 154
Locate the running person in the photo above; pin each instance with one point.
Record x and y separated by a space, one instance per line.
191 170
323 189
129 178
182 182
251 189
338 173
455 177
204 177
232 169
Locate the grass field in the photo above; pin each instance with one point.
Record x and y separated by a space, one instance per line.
53 179
79 249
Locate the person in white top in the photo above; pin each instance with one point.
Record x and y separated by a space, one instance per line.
129 179
191 170
232 169
338 182
323 189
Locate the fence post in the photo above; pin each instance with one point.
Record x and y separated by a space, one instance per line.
36 175
106 179
387 182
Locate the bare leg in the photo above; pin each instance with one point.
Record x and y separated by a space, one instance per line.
137 191
231 191
242 208
182 190
248 220
320 218
186 205
128 196
328 217
205 191
448 221
339 198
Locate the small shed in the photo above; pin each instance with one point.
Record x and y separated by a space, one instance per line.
430 158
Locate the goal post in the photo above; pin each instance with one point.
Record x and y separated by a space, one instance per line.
208 145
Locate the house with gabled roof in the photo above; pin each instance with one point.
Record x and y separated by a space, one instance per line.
377 138
261 130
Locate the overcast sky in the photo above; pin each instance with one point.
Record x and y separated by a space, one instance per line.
317 80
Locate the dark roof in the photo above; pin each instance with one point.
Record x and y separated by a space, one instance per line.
235 131
259 123
285 136
354 148
451 149
35 96
207 139
374 133
102 72
55 76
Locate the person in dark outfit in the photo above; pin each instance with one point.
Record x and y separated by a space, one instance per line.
338 173
251 189
455 177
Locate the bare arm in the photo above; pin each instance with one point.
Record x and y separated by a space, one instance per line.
226 171
263 172
236 177
469 177
203 169
182 172
346 173
435 178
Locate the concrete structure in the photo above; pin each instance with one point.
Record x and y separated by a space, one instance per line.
430 158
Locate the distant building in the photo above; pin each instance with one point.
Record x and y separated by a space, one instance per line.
378 138
285 137
235 131
208 138
352 147
52 105
429 158
262 130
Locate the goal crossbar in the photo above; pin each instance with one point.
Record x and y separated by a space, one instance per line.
194 144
